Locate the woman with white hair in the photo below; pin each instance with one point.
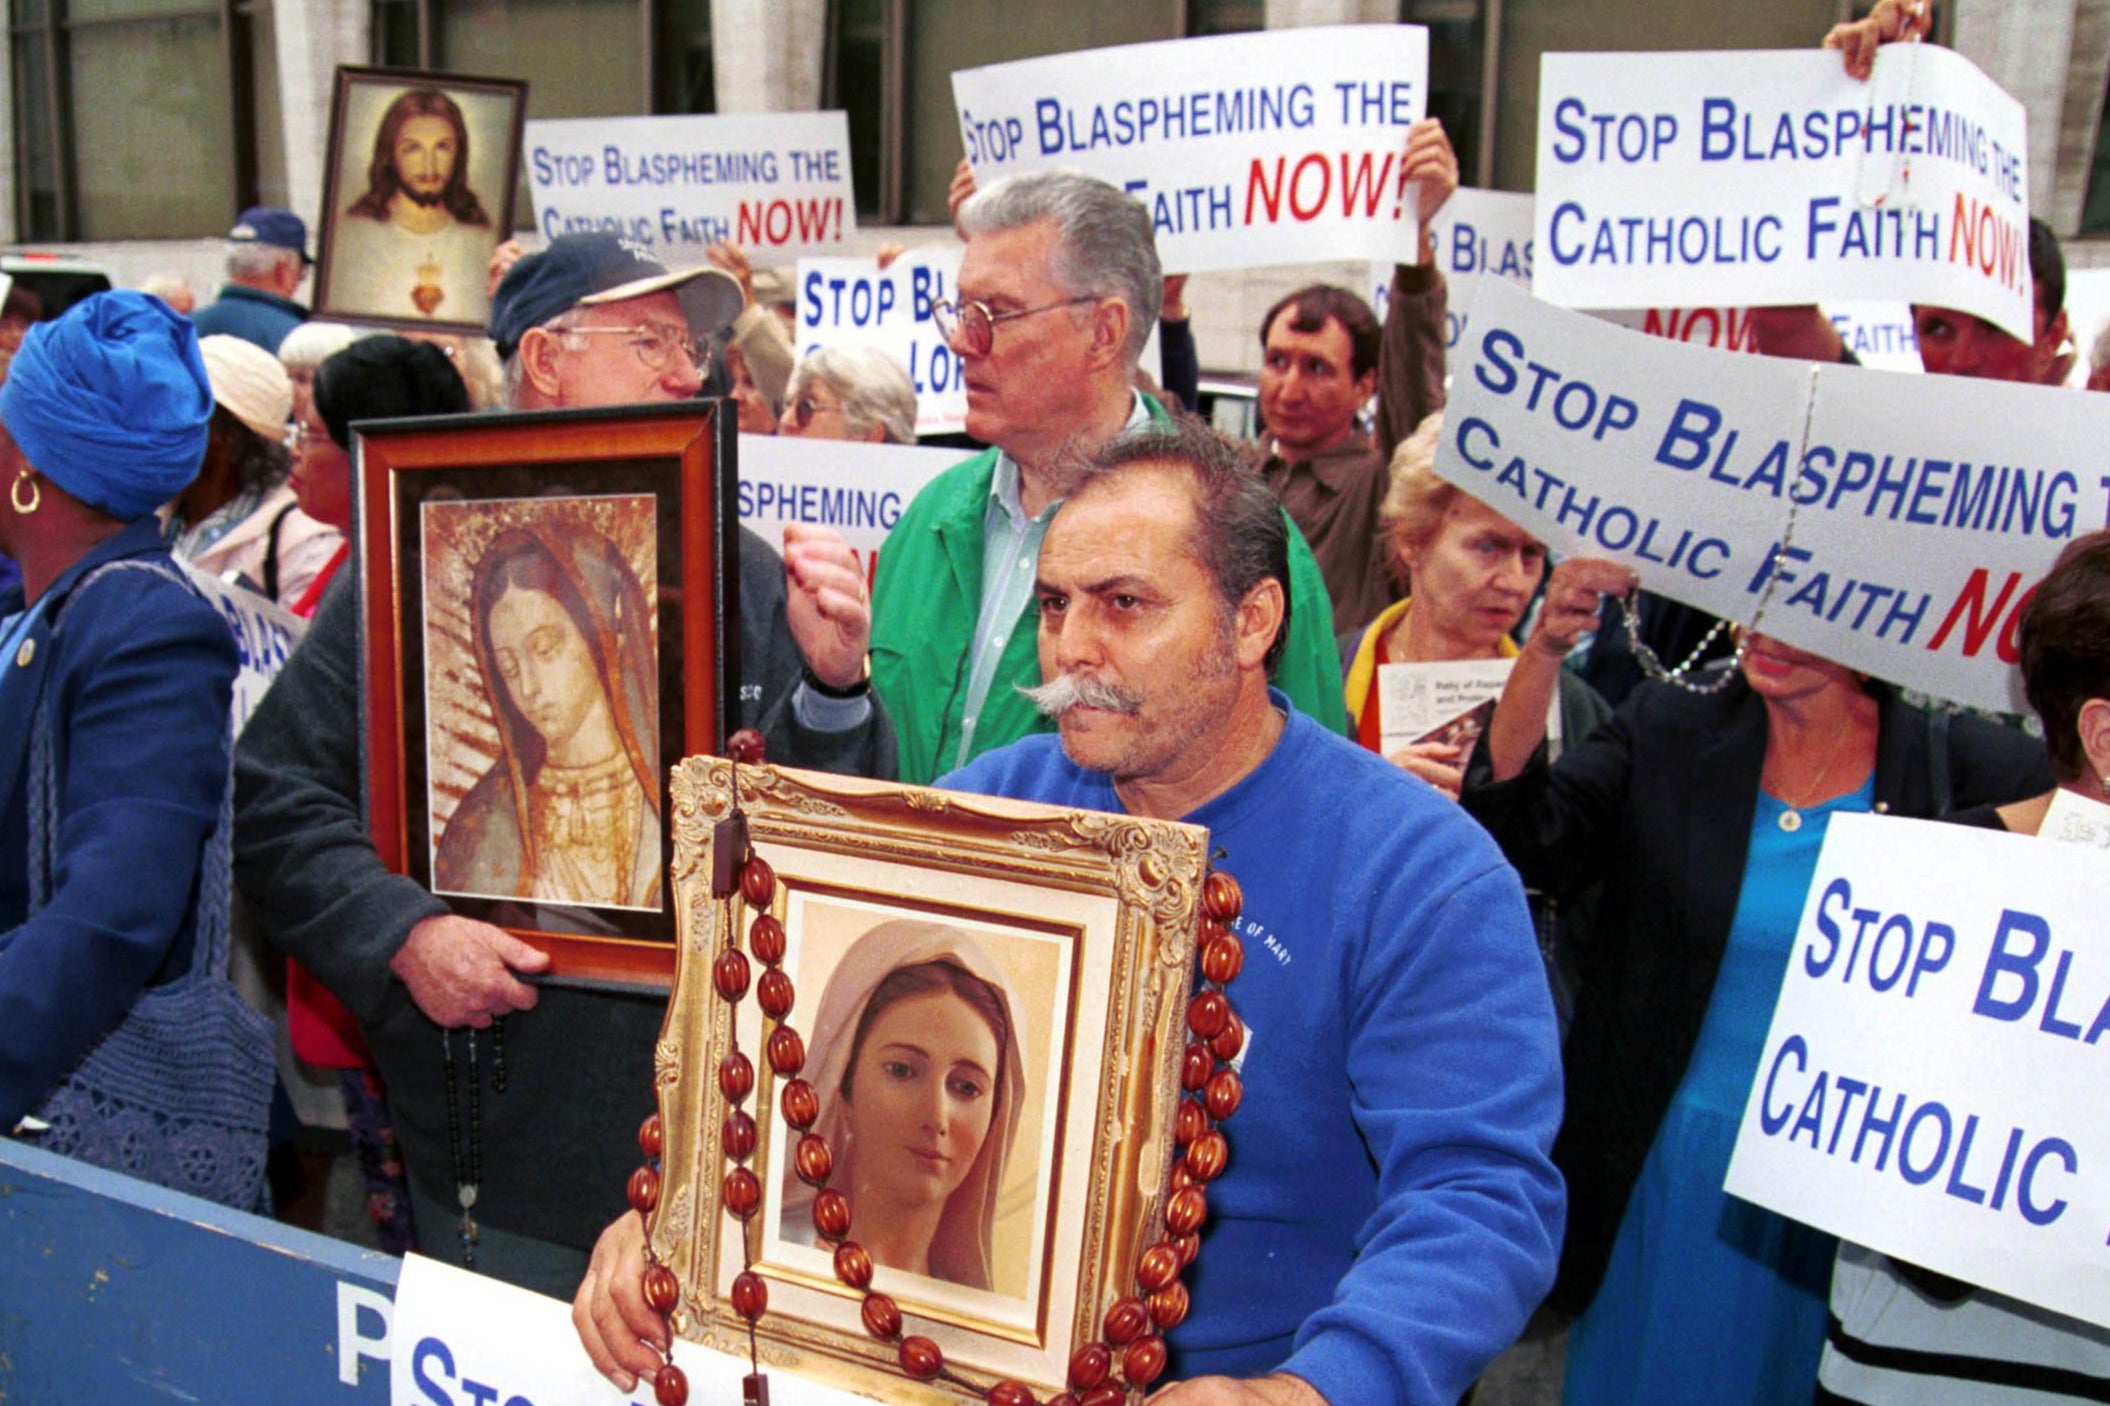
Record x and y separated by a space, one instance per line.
850 392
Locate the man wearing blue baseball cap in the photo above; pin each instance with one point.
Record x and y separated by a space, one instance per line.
589 321
267 257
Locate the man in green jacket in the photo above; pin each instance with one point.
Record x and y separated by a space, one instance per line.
1057 293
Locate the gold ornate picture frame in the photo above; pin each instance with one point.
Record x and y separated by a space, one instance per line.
1078 930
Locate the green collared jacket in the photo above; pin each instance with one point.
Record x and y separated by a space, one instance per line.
929 591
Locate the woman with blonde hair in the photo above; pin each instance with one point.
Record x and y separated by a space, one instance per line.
917 1060
1470 574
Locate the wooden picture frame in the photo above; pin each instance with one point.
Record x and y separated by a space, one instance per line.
487 715
1080 925
411 211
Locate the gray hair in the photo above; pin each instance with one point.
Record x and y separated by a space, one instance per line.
248 259
312 343
1105 246
874 388
1240 533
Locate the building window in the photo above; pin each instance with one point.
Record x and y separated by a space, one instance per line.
890 66
177 157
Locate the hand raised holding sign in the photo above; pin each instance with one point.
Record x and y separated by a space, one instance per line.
1431 167
1574 594
1889 22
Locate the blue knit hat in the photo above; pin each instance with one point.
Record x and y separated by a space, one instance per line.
111 402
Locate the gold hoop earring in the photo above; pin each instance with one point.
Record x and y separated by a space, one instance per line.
36 495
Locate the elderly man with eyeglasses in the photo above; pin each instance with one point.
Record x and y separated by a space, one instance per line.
1057 294
586 322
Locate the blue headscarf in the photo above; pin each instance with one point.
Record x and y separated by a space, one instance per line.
110 402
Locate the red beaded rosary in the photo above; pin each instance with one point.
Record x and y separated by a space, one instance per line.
1133 1326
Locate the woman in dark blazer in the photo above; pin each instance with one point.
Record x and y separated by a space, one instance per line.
115 683
1702 814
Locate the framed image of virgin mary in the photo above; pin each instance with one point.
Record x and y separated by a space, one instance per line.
550 619
988 998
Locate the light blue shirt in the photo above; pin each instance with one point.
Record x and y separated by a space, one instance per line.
1010 551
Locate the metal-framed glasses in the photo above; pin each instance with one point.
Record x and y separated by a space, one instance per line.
805 407
655 346
973 326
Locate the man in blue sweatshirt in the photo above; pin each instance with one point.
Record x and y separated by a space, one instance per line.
1390 1216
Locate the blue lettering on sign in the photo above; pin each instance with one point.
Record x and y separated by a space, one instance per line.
431 1353
1928 1136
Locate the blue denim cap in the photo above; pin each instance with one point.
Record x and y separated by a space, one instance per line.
587 270
266 224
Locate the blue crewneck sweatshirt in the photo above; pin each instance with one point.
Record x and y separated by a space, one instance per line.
1390 1216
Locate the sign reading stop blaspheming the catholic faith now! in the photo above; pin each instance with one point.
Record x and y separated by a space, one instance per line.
1247 149
1489 234
1774 178
774 182
854 300
1919 512
1933 1082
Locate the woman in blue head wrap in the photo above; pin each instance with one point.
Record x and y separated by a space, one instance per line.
115 684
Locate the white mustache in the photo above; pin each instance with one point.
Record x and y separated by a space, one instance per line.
1066 691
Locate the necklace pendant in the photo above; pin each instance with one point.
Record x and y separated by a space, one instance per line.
1791 820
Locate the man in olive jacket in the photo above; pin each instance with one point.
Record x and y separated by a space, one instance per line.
1057 293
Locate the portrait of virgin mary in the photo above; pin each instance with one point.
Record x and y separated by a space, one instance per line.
570 811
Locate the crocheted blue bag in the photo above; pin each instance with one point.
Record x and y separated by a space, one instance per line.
179 1093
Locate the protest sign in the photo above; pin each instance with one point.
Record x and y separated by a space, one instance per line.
1248 149
840 301
1931 1085
1489 233
774 182
464 1339
264 636
854 300
1773 178
859 490
1918 511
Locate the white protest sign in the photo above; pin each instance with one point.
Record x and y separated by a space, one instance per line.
1932 1084
264 636
462 1337
1774 178
1919 514
858 489
1489 233
854 300
1248 149
775 182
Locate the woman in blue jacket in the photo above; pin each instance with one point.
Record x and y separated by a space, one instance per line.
115 682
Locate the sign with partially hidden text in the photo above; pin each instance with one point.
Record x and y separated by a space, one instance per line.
859 490
775 182
842 301
1247 149
465 1339
265 634
1933 1082
1489 234
1917 512
1756 179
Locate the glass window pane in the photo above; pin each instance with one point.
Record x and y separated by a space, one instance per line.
36 145
685 81
1225 16
270 121
949 34
1534 27
860 91
159 164
134 9
581 58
